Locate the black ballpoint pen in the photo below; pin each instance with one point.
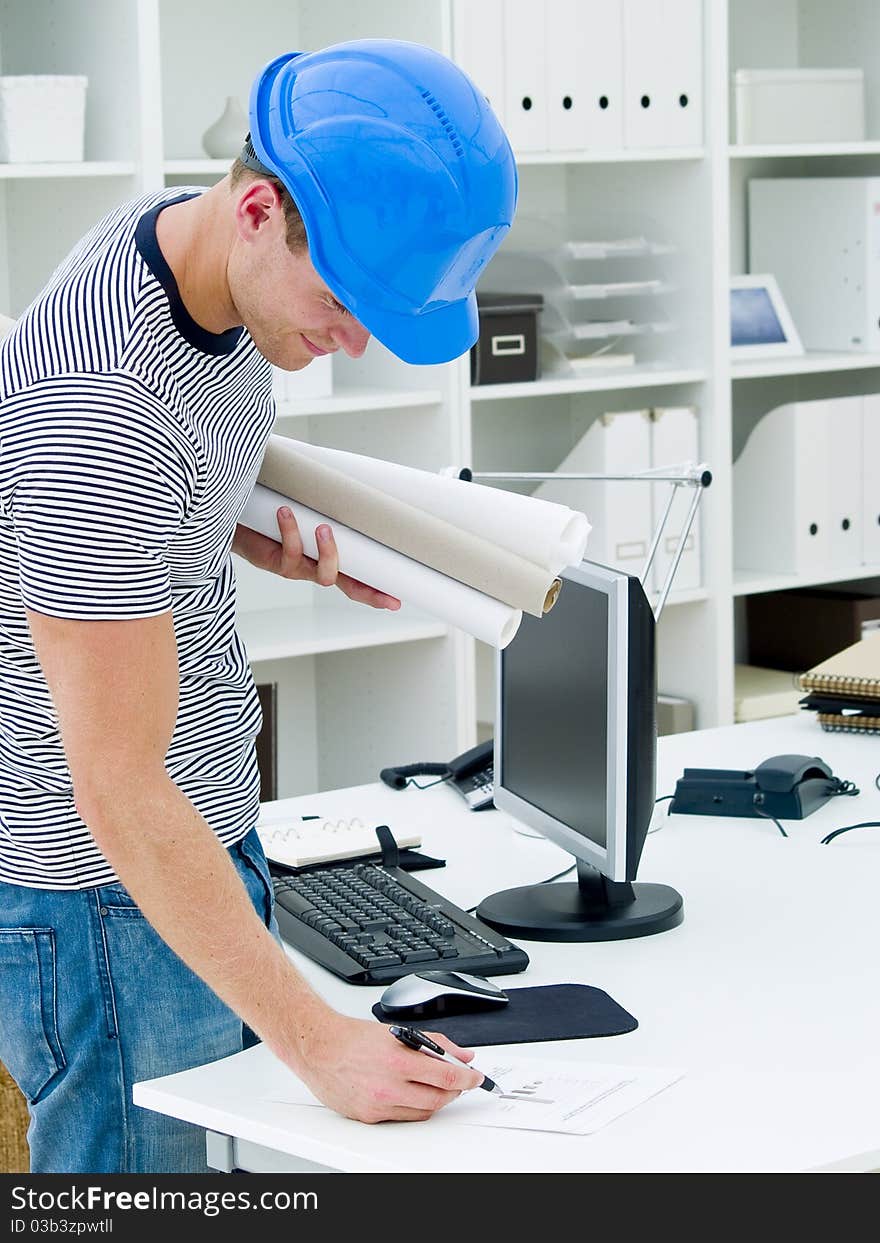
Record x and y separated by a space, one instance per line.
424 1044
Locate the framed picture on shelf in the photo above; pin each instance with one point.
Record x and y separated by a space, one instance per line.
760 323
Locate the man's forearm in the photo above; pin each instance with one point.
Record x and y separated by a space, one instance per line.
183 880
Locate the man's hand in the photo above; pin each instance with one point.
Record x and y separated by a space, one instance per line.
361 1071
288 559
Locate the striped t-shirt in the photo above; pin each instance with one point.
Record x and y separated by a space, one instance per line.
130 440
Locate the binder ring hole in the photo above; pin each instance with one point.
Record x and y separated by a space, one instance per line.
683 101
646 101
845 524
603 101
527 102
566 102
814 530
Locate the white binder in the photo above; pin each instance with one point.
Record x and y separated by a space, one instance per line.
870 458
845 475
663 73
781 494
525 85
674 441
584 74
477 35
620 513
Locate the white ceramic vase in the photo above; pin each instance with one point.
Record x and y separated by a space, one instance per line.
225 138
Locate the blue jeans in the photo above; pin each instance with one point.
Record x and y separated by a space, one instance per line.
91 1001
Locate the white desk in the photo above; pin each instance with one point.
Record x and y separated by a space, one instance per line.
768 994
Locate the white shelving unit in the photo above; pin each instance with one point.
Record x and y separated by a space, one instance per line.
357 689
811 363
358 400
621 155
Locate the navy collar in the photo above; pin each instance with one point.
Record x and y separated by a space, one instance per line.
148 245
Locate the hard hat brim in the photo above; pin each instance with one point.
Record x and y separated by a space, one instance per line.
433 336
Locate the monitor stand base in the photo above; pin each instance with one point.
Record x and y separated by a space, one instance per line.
594 909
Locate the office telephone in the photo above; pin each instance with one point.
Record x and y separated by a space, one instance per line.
471 773
788 786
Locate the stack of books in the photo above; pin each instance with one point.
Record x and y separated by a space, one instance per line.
844 690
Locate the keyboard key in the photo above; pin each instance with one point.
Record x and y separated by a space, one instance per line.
380 960
425 955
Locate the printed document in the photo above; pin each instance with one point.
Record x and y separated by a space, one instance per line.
570 1098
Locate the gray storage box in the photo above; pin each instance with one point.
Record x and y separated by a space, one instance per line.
507 349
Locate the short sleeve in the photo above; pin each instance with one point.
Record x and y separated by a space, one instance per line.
97 476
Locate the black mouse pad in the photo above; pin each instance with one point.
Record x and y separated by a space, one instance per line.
548 1012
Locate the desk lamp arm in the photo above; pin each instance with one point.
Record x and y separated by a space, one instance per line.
696 476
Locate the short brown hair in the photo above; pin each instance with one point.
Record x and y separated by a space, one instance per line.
296 230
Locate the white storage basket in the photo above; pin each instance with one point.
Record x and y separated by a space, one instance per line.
42 118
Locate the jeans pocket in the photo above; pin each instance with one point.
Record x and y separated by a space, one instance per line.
116 900
250 850
30 1045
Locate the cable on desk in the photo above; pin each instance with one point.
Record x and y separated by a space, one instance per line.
411 781
848 828
767 816
664 798
559 875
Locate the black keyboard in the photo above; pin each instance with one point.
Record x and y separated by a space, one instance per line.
371 925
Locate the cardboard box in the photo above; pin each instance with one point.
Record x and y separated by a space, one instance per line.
794 630
674 715
761 693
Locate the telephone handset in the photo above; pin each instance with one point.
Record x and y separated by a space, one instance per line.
471 773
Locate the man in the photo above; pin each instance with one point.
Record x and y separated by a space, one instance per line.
135 905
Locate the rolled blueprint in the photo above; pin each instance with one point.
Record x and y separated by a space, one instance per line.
363 558
546 533
441 523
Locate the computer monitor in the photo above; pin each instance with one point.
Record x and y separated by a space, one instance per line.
575 759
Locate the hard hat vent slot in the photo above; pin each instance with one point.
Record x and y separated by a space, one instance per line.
444 121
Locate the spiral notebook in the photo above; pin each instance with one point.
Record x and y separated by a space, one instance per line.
853 672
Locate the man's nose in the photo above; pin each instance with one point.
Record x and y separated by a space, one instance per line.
351 337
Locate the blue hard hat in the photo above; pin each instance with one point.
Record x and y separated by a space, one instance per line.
404 178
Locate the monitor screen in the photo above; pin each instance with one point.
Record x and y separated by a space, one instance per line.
753 318
554 713
576 712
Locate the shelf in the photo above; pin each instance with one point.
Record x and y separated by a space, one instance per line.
351 400
802 364
620 155
80 168
602 381
691 595
746 583
198 167
308 630
782 150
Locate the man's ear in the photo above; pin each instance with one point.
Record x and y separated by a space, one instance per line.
258 208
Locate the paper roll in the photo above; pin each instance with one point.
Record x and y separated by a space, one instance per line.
480 615
326 481
545 533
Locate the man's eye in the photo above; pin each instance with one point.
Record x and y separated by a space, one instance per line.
336 306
